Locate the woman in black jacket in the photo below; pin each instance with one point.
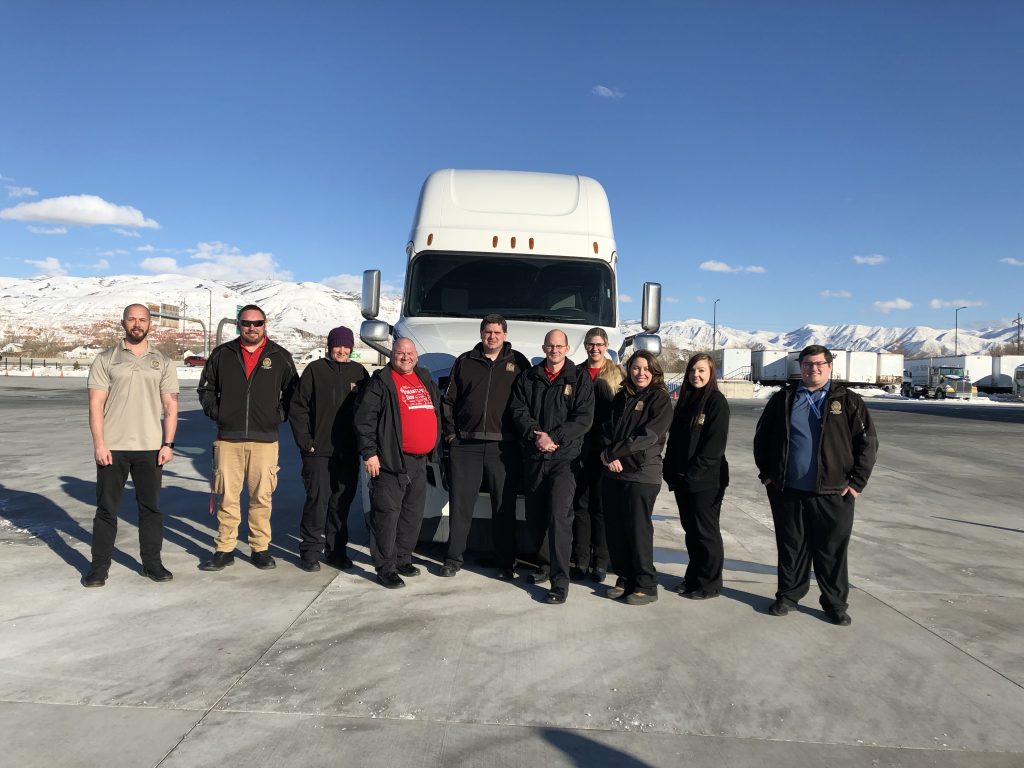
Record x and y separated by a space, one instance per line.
697 472
633 437
589 547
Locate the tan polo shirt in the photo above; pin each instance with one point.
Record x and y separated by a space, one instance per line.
133 413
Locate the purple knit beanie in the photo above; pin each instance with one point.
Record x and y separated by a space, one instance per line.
340 337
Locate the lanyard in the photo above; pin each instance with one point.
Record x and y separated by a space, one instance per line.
815 404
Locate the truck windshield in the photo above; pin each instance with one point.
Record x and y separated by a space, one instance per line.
518 287
947 371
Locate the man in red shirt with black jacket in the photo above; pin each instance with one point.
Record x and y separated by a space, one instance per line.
245 388
483 444
552 407
398 427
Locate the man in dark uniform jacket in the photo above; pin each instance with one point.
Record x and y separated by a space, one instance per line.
483 444
552 407
321 418
398 426
814 447
246 387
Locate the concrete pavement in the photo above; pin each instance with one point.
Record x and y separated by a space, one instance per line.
282 668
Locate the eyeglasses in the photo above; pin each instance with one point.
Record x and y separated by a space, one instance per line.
552 347
595 344
251 323
809 366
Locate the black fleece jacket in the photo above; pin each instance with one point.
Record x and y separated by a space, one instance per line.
379 421
848 447
695 456
323 408
635 434
247 409
475 403
564 408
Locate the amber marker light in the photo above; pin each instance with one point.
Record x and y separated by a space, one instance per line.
531 243
494 242
513 241
430 238
595 246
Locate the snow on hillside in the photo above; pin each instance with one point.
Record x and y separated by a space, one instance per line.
301 314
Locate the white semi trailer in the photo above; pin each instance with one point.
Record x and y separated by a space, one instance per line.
854 369
537 248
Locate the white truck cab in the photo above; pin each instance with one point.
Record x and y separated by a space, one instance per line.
536 248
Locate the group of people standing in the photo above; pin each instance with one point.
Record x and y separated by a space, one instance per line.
583 444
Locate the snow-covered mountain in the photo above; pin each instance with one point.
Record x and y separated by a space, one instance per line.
301 314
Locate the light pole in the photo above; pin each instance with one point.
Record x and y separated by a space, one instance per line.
714 324
209 327
956 331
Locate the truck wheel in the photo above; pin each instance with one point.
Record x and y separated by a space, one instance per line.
940 394
906 392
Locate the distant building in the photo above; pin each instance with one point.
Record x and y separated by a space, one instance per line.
83 352
12 349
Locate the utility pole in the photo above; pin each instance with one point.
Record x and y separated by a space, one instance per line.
956 331
1018 322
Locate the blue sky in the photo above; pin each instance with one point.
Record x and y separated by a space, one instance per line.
803 162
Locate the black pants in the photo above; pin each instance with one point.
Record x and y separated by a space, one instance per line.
330 483
699 513
396 513
589 543
549 492
496 467
811 528
627 515
110 480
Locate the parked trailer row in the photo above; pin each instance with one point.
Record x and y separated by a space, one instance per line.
986 373
857 369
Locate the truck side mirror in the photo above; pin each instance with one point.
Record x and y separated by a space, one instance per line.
650 316
369 303
647 342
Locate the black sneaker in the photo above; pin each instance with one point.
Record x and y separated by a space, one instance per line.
309 566
264 560
778 608
505 574
539 576
95 578
556 597
699 594
598 575
447 571
617 591
839 618
156 572
408 569
641 598
577 574
390 580
218 562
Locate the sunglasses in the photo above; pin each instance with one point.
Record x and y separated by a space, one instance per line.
251 323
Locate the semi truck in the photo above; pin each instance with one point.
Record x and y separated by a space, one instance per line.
537 248
932 378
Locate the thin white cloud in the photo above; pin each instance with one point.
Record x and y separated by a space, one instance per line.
829 294
699 299
145 249
1012 261
101 264
625 298
950 303
344 283
126 232
5 178
83 210
48 266
671 300
607 93
115 252
872 259
721 266
21 192
219 261
47 230
887 306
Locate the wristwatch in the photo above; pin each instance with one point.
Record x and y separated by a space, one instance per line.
168 445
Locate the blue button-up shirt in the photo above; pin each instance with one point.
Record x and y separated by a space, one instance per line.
804 437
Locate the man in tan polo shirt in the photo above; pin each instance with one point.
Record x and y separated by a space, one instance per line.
132 388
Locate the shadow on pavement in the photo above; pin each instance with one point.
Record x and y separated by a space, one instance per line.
584 751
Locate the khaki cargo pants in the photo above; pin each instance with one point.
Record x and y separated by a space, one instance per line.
233 464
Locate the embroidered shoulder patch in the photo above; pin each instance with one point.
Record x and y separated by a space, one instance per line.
267 363
155 364
836 408
510 367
